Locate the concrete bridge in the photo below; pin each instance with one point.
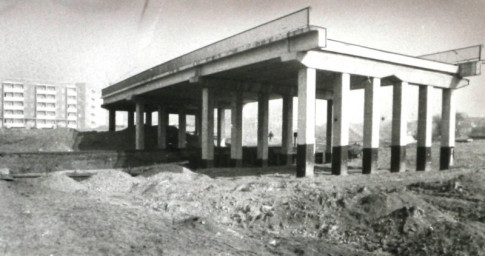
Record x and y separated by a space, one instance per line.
288 58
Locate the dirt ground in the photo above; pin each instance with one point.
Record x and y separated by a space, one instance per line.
171 210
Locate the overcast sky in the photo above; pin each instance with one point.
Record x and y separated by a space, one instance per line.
101 42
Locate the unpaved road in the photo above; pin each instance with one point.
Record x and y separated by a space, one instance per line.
170 210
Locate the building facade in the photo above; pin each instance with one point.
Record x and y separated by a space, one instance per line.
42 105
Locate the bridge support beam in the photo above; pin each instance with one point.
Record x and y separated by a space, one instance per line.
399 127
112 120
182 128
448 120
148 118
162 127
372 121
305 161
263 115
328 145
140 126
287 131
221 125
131 119
236 129
207 131
341 90
423 150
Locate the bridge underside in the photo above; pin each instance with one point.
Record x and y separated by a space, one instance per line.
297 62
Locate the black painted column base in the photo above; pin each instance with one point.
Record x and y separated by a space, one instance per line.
305 160
423 158
369 160
286 159
206 163
398 158
328 157
339 160
262 162
447 155
236 163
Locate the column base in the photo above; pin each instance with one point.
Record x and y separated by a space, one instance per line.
328 157
339 160
398 158
206 163
236 163
305 160
262 162
423 158
369 160
447 155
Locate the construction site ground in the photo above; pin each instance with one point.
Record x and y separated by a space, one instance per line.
168 209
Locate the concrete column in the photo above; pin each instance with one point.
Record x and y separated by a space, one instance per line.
112 120
236 129
399 127
341 100
207 131
287 131
328 146
305 160
162 127
423 151
182 132
221 125
148 118
448 119
263 109
131 119
371 126
140 127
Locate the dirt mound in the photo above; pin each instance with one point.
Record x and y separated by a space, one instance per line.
61 182
32 140
110 181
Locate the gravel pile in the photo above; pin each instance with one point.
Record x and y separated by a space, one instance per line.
61 182
110 181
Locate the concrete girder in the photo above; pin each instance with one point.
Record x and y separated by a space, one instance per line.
354 65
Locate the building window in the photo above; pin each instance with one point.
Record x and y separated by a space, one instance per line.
8 94
41 105
18 104
18 94
51 105
19 86
51 97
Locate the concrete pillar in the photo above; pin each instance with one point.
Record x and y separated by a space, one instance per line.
328 146
399 127
423 151
448 119
221 125
140 127
305 160
112 120
263 116
372 121
131 119
162 127
207 131
287 131
341 100
182 132
148 118
236 129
